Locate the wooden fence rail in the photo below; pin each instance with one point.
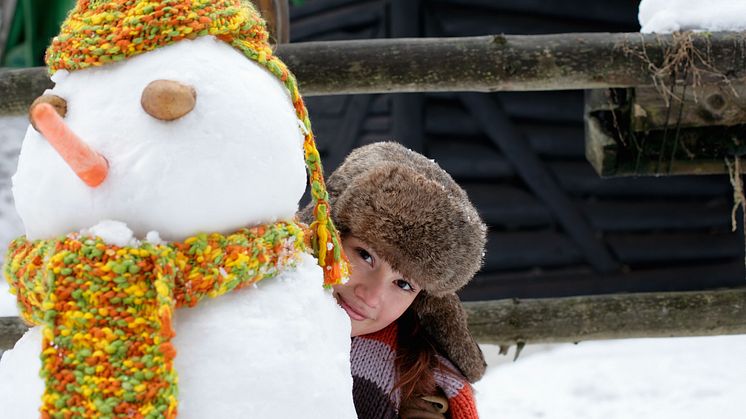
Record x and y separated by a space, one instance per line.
575 319
476 64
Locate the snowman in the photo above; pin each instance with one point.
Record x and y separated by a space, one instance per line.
162 263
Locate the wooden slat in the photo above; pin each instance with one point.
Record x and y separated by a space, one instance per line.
530 250
355 14
621 12
579 178
546 138
499 129
379 124
467 160
646 248
582 281
458 21
555 141
347 133
307 8
332 105
642 215
505 207
558 106
381 104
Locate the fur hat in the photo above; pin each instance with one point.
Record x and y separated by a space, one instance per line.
103 32
415 216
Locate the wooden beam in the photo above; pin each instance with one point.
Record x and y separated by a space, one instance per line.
625 138
575 319
477 64
491 117
11 329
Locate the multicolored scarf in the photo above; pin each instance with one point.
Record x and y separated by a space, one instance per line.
107 310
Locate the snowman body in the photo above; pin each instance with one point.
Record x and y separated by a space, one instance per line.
236 160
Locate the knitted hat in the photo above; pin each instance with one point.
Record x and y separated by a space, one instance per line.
98 32
415 216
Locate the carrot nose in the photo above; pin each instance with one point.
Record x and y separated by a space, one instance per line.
91 167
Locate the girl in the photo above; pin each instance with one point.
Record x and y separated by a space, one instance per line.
412 238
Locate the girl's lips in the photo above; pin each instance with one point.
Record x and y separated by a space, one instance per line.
354 315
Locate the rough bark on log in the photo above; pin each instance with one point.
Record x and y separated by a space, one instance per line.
477 64
575 319
11 329
719 104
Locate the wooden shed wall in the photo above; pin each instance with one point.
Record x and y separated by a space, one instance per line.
556 229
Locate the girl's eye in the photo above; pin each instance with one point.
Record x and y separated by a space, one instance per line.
406 286
364 255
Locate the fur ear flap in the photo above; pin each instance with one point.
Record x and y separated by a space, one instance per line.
444 319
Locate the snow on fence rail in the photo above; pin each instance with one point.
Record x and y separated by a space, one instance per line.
575 319
477 64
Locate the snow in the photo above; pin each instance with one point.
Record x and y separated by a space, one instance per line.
681 378
666 16
112 232
236 159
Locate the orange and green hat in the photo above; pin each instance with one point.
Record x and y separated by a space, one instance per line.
99 32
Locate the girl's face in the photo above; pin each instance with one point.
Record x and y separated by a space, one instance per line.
376 294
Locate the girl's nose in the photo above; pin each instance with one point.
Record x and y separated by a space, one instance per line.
168 100
370 291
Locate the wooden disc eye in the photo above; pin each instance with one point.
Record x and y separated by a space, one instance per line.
168 100
59 105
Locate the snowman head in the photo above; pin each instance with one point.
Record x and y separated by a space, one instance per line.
175 116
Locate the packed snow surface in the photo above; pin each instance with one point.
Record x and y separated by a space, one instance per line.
666 16
672 378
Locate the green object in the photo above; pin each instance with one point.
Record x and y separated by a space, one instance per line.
34 24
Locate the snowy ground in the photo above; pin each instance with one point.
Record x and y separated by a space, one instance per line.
679 378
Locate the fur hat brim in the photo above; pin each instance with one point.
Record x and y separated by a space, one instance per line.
411 222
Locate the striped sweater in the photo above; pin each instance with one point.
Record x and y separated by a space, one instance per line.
374 376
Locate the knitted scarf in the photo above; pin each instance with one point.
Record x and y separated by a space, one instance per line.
374 376
107 310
